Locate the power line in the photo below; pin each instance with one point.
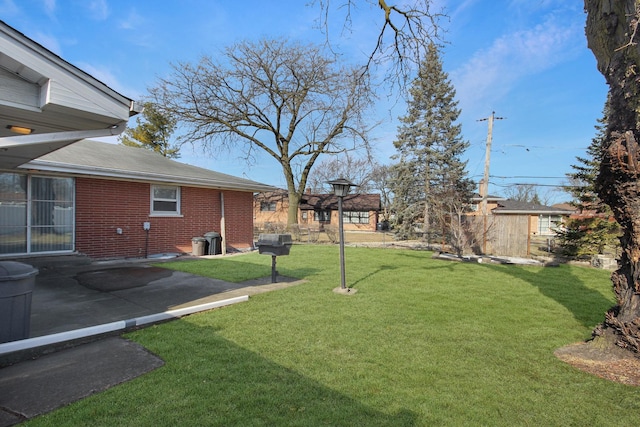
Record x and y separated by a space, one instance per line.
513 184
528 177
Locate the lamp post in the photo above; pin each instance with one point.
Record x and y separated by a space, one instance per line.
340 189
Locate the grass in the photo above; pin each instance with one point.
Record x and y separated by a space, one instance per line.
424 342
232 269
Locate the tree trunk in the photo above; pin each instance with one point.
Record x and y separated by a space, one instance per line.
294 204
611 34
426 220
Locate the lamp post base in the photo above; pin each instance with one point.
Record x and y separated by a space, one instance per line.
345 291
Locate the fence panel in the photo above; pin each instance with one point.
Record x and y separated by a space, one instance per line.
506 235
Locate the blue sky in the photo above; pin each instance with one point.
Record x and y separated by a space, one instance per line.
527 60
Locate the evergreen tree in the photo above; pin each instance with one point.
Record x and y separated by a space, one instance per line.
430 184
594 230
153 132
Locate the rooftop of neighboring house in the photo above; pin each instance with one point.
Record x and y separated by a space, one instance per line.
507 206
476 197
351 202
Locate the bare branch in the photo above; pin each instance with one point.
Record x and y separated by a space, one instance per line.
404 34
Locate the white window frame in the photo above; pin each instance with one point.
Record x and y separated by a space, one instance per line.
154 199
356 217
548 224
268 206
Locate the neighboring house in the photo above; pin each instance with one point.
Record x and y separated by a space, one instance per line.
360 211
543 220
476 203
270 207
100 199
510 226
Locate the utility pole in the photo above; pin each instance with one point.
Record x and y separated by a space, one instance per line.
485 180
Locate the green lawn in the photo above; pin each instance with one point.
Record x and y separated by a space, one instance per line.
423 343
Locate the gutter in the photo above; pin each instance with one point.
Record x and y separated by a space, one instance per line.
496 211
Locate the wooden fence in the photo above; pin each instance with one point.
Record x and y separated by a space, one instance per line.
506 235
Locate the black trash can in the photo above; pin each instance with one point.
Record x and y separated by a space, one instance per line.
17 281
214 242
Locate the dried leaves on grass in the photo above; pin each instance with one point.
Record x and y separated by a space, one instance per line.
614 365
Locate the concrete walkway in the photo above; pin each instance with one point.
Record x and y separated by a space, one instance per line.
73 295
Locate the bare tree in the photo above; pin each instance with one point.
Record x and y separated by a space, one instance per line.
358 170
523 193
381 182
288 100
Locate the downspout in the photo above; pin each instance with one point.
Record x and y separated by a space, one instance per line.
223 228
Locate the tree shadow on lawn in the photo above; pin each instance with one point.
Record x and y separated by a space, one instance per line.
429 269
221 383
587 305
372 273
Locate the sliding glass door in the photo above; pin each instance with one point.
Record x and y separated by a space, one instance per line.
36 214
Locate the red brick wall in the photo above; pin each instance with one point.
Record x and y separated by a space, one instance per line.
238 212
103 206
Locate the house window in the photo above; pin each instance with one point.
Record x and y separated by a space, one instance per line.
322 216
355 217
267 206
165 200
548 224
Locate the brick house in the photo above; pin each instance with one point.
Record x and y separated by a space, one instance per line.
108 200
360 211
103 200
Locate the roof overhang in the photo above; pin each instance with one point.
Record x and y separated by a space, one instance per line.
55 101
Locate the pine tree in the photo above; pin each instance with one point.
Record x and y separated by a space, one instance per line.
430 182
154 133
589 234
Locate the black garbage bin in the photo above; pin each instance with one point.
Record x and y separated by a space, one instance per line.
214 243
17 281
